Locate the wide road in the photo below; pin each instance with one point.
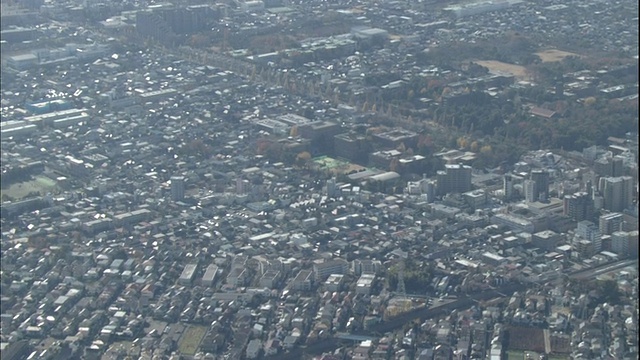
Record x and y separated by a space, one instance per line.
398 322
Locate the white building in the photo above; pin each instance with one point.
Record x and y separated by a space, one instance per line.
364 284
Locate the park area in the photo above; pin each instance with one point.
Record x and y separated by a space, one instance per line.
38 186
191 339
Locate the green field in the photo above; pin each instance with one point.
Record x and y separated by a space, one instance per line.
20 191
190 340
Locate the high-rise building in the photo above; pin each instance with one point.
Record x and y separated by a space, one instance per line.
507 186
590 231
529 188
541 187
454 179
610 223
617 192
242 186
608 166
617 166
633 244
177 188
620 243
578 206
332 188
430 189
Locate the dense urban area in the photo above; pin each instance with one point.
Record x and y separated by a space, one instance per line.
330 180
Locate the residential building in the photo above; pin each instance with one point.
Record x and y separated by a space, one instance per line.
324 269
303 281
210 275
610 223
617 192
364 284
578 206
589 231
547 239
188 274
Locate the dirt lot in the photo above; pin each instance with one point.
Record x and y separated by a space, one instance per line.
520 72
553 55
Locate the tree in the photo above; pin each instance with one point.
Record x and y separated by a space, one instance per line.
610 293
462 143
486 149
302 159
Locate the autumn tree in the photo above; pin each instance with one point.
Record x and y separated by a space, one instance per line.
302 159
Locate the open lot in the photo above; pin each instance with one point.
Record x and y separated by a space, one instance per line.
552 55
190 340
39 184
518 71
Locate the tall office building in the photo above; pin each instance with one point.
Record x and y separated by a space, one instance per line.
430 188
507 186
332 188
454 179
578 206
617 192
177 188
541 187
610 223
529 188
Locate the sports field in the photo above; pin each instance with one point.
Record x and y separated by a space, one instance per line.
518 71
19 191
553 55
190 340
